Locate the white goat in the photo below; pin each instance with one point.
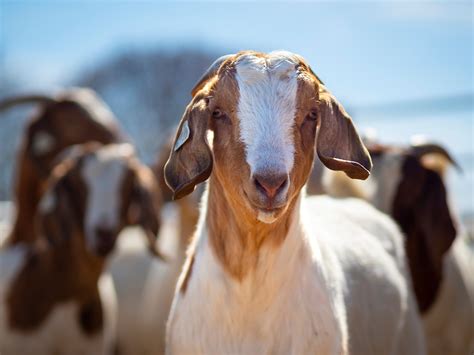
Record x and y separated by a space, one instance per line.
271 271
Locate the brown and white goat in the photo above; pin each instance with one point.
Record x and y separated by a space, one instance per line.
52 296
271 271
407 183
72 117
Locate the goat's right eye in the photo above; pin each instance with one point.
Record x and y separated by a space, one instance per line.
312 115
217 114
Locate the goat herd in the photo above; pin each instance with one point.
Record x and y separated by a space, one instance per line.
106 255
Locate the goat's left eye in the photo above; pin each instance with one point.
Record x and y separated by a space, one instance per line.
217 113
312 115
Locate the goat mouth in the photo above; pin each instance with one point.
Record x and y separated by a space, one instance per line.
269 210
264 206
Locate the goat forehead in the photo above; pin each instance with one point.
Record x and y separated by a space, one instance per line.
266 108
104 173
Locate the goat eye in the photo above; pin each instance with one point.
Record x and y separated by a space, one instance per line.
217 114
312 115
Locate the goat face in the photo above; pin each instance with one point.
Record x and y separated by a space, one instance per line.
265 111
103 190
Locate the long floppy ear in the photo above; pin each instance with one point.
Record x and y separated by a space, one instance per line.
55 213
190 161
435 218
145 206
421 209
338 145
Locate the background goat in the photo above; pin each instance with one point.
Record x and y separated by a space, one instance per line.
77 229
407 183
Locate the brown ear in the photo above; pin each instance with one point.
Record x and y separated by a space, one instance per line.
435 218
421 209
55 213
190 161
145 206
338 145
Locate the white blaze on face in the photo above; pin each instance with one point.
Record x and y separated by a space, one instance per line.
103 174
43 143
266 110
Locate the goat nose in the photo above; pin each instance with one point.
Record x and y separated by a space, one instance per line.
105 241
270 184
104 233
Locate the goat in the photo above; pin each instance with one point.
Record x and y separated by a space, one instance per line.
407 183
71 117
53 299
271 271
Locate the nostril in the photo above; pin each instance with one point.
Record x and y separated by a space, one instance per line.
270 184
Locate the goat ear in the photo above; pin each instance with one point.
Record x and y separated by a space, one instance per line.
190 161
55 214
421 209
338 145
435 218
144 208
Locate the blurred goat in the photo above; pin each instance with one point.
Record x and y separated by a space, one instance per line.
407 183
178 227
71 117
52 297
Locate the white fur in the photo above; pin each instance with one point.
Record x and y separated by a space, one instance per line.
266 217
449 324
266 110
43 142
161 283
129 268
332 281
103 173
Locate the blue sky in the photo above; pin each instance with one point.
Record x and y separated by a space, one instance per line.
368 52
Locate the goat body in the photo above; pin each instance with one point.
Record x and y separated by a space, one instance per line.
329 270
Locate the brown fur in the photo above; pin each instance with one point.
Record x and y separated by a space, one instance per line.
69 123
235 234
